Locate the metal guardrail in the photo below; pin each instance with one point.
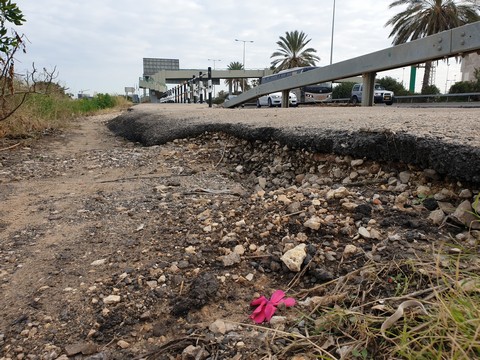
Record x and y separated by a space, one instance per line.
438 96
455 42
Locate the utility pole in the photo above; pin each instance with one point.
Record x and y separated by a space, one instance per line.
244 41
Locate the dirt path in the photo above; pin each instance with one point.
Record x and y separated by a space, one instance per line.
113 250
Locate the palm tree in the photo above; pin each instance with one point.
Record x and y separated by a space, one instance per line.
236 83
422 18
292 52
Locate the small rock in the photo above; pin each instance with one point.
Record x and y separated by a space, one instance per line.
123 344
375 234
111 299
437 216
349 250
249 277
218 327
463 214
278 322
239 169
313 223
99 262
294 207
230 259
284 199
293 258
423 190
404 177
340 193
262 182
430 174
357 162
81 348
446 207
465 194
349 206
152 284
364 233
430 203
194 353
239 249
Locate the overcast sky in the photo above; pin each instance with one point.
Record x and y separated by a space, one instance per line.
98 45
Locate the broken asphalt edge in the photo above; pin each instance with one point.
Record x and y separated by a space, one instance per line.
456 161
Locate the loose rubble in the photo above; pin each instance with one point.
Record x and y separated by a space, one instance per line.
125 251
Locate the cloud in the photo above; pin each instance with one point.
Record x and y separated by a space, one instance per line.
100 45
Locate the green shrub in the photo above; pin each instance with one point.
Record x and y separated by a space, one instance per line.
430 90
343 90
391 84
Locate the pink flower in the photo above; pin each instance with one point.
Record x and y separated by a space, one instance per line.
266 308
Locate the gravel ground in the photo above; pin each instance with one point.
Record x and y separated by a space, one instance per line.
113 250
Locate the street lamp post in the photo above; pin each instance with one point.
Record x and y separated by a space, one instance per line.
333 30
244 41
214 61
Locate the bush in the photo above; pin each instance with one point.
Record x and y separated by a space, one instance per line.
430 90
391 84
343 90
464 87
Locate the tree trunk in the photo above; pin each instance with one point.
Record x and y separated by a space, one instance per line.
426 76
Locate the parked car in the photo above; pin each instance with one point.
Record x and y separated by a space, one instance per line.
275 99
380 95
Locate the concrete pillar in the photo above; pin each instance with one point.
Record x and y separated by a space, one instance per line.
368 88
285 95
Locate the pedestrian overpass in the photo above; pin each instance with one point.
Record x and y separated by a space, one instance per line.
158 82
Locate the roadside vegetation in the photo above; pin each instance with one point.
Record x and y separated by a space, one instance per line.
33 102
42 112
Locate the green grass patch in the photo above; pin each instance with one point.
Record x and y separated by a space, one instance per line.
54 111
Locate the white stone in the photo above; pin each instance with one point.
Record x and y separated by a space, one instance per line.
349 206
313 223
465 194
262 182
356 162
218 327
99 262
375 234
278 322
350 250
464 215
293 258
423 190
364 233
111 299
123 344
230 259
437 216
340 193
239 249
284 199
190 250
404 176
